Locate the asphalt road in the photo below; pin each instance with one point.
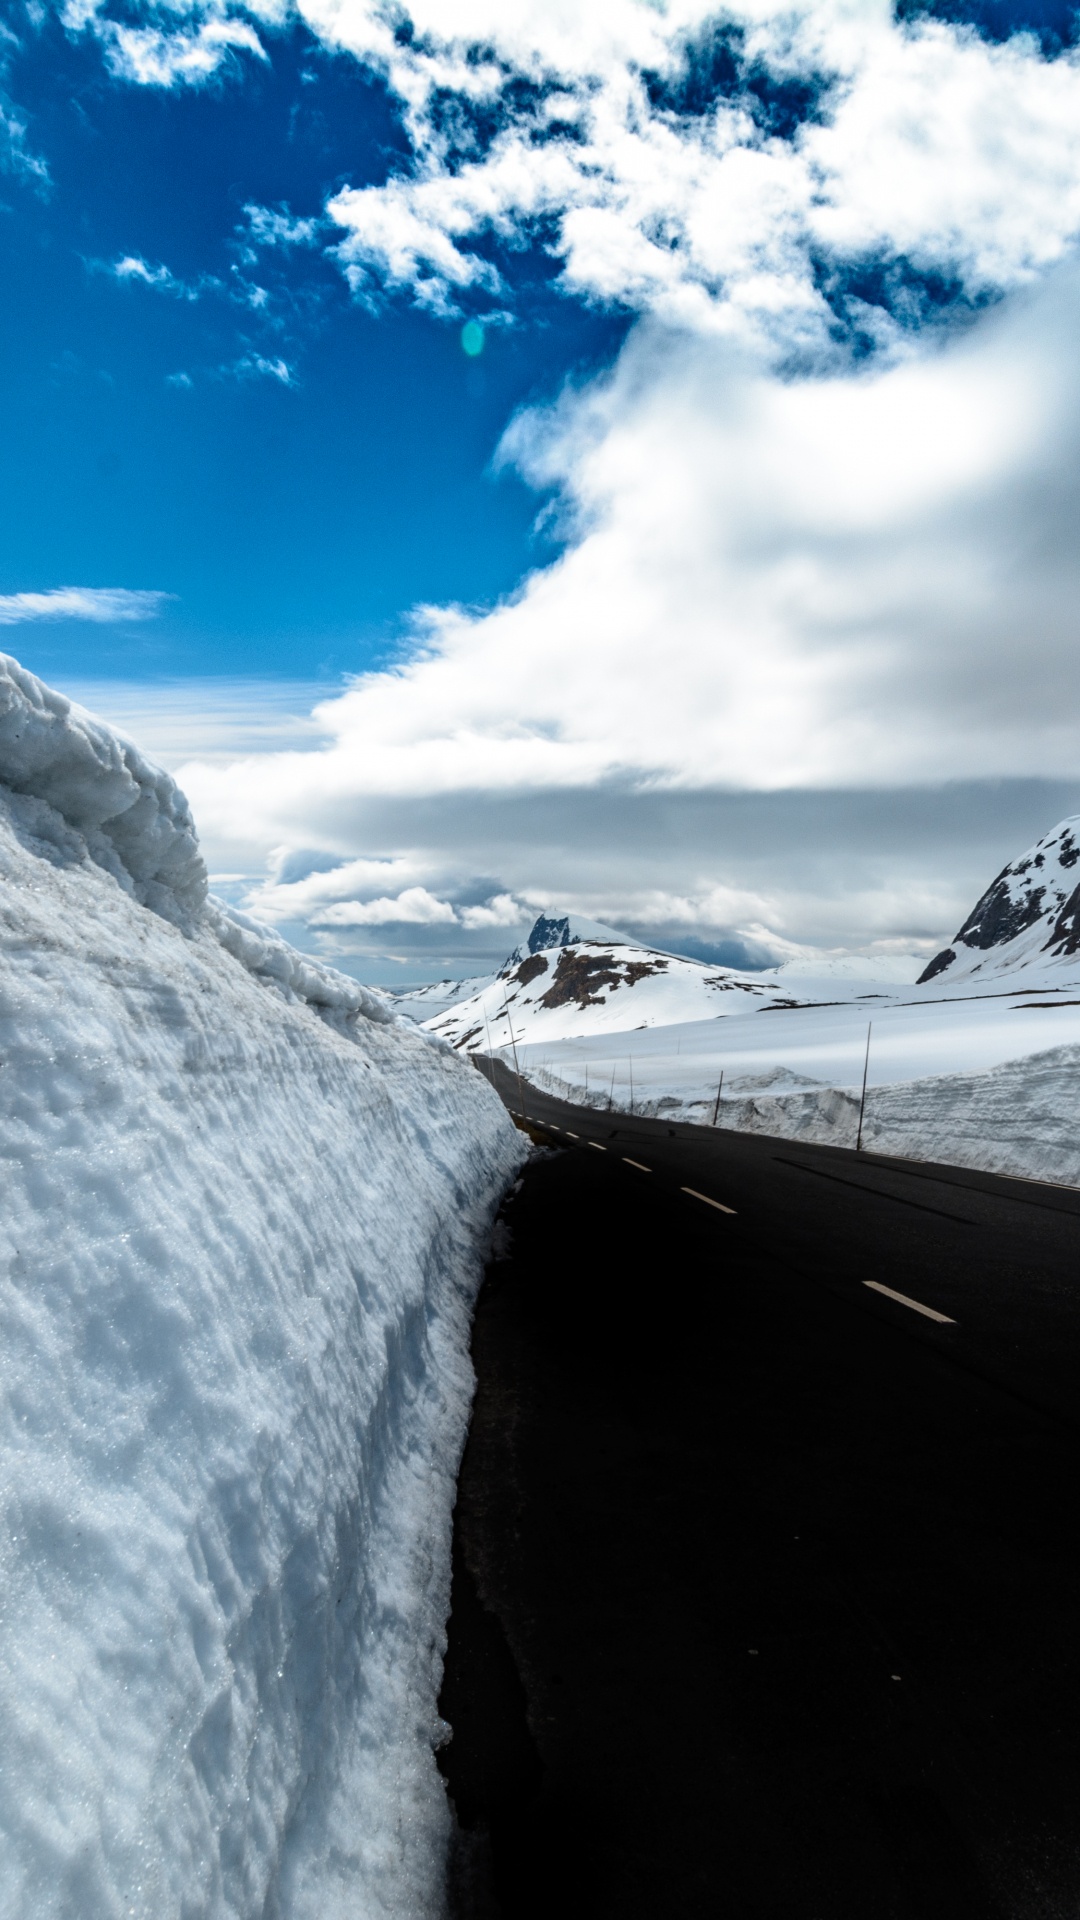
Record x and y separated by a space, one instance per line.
766 1584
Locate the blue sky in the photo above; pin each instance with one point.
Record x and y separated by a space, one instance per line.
295 523
728 593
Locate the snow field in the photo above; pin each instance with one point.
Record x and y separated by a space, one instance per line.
244 1220
992 1082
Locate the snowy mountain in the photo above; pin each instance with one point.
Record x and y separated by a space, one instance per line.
425 1004
595 986
1027 921
977 1064
244 1217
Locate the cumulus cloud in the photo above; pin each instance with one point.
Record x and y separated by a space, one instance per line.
732 195
773 588
414 907
801 583
100 604
821 564
353 893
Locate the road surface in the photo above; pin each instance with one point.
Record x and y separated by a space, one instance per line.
767 1592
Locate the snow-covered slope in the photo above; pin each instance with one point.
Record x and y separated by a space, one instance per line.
598 986
1026 923
976 1064
423 1003
243 1214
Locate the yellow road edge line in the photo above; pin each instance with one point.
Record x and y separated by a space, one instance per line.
718 1204
916 1306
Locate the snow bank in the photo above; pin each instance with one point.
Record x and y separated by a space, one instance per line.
1021 1118
987 1081
244 1211
132 817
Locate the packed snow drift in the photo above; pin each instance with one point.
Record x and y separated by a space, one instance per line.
977 1063
244 1217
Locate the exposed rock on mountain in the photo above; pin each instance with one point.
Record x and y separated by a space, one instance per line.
1030 914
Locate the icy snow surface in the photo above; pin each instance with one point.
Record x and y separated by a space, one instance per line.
244 1212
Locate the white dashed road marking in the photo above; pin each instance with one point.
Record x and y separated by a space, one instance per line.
636 1163
916 1306
718 1204
596 1144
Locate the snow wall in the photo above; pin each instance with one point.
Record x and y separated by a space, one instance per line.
244 1218
1020 1118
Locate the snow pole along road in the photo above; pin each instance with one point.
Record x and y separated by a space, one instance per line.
767 1514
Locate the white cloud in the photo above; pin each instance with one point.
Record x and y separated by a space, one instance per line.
311 896
932 145
101 604
276 227
15 156
502 910
133 268
163 57
777 588
215 718
414 907
928 144
257 366
802 583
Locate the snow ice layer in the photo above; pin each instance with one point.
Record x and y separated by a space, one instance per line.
243 1217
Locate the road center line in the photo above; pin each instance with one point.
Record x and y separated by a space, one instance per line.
636 1163
916 1306
718 1204
596 1144
569 1135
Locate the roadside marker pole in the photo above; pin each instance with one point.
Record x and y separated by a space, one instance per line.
719 1091
513 1043
862 1102
611 1092
631 1083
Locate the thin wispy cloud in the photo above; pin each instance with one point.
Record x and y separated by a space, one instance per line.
16 156
133 268
257 366
101 605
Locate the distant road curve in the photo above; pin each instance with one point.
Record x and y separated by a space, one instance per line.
985 1266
